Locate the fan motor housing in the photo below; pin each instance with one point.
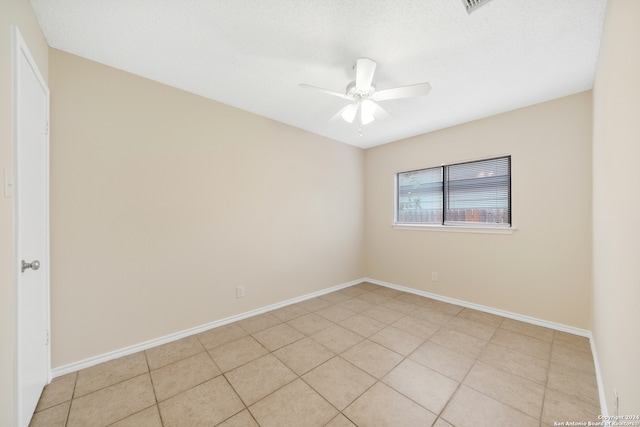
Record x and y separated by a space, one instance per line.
353 92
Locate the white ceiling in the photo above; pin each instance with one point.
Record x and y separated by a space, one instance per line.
252 54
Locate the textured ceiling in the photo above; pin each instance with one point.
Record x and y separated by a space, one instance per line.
253 54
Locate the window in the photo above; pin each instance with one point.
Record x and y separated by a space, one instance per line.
473 194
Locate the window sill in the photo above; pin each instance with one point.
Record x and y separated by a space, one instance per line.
455 228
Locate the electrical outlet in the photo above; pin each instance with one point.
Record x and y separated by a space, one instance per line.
434 277
240 292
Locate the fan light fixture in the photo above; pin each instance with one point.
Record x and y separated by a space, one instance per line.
367 109
363 95
349 113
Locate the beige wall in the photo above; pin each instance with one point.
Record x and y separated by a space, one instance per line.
543 268
616 206
20 13
163 202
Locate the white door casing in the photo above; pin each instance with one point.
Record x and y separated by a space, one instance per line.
31 228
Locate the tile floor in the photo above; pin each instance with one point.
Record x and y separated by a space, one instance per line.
362 356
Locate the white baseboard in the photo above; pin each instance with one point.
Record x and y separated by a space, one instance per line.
86 363
604 409
486 309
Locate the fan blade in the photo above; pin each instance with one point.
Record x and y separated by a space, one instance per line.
370 111
325 91
365 68
381 114
419 89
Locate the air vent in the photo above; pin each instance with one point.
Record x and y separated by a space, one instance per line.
472 5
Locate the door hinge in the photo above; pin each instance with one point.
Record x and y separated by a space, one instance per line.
46 341
46 128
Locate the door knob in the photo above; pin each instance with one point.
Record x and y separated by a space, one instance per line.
32 265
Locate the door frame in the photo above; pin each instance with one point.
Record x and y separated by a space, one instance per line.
20 48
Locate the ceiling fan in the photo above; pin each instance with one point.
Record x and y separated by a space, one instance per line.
364 95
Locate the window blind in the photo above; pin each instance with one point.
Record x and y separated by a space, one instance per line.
474 193
478 192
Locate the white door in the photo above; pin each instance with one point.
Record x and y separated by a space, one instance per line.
31 204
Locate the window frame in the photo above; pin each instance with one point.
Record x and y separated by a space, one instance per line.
490 228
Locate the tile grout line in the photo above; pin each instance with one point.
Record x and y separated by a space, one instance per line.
75 382
300 377
245 407
376 303
320 394
464 378
157 405
547 370
546 382
476 360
